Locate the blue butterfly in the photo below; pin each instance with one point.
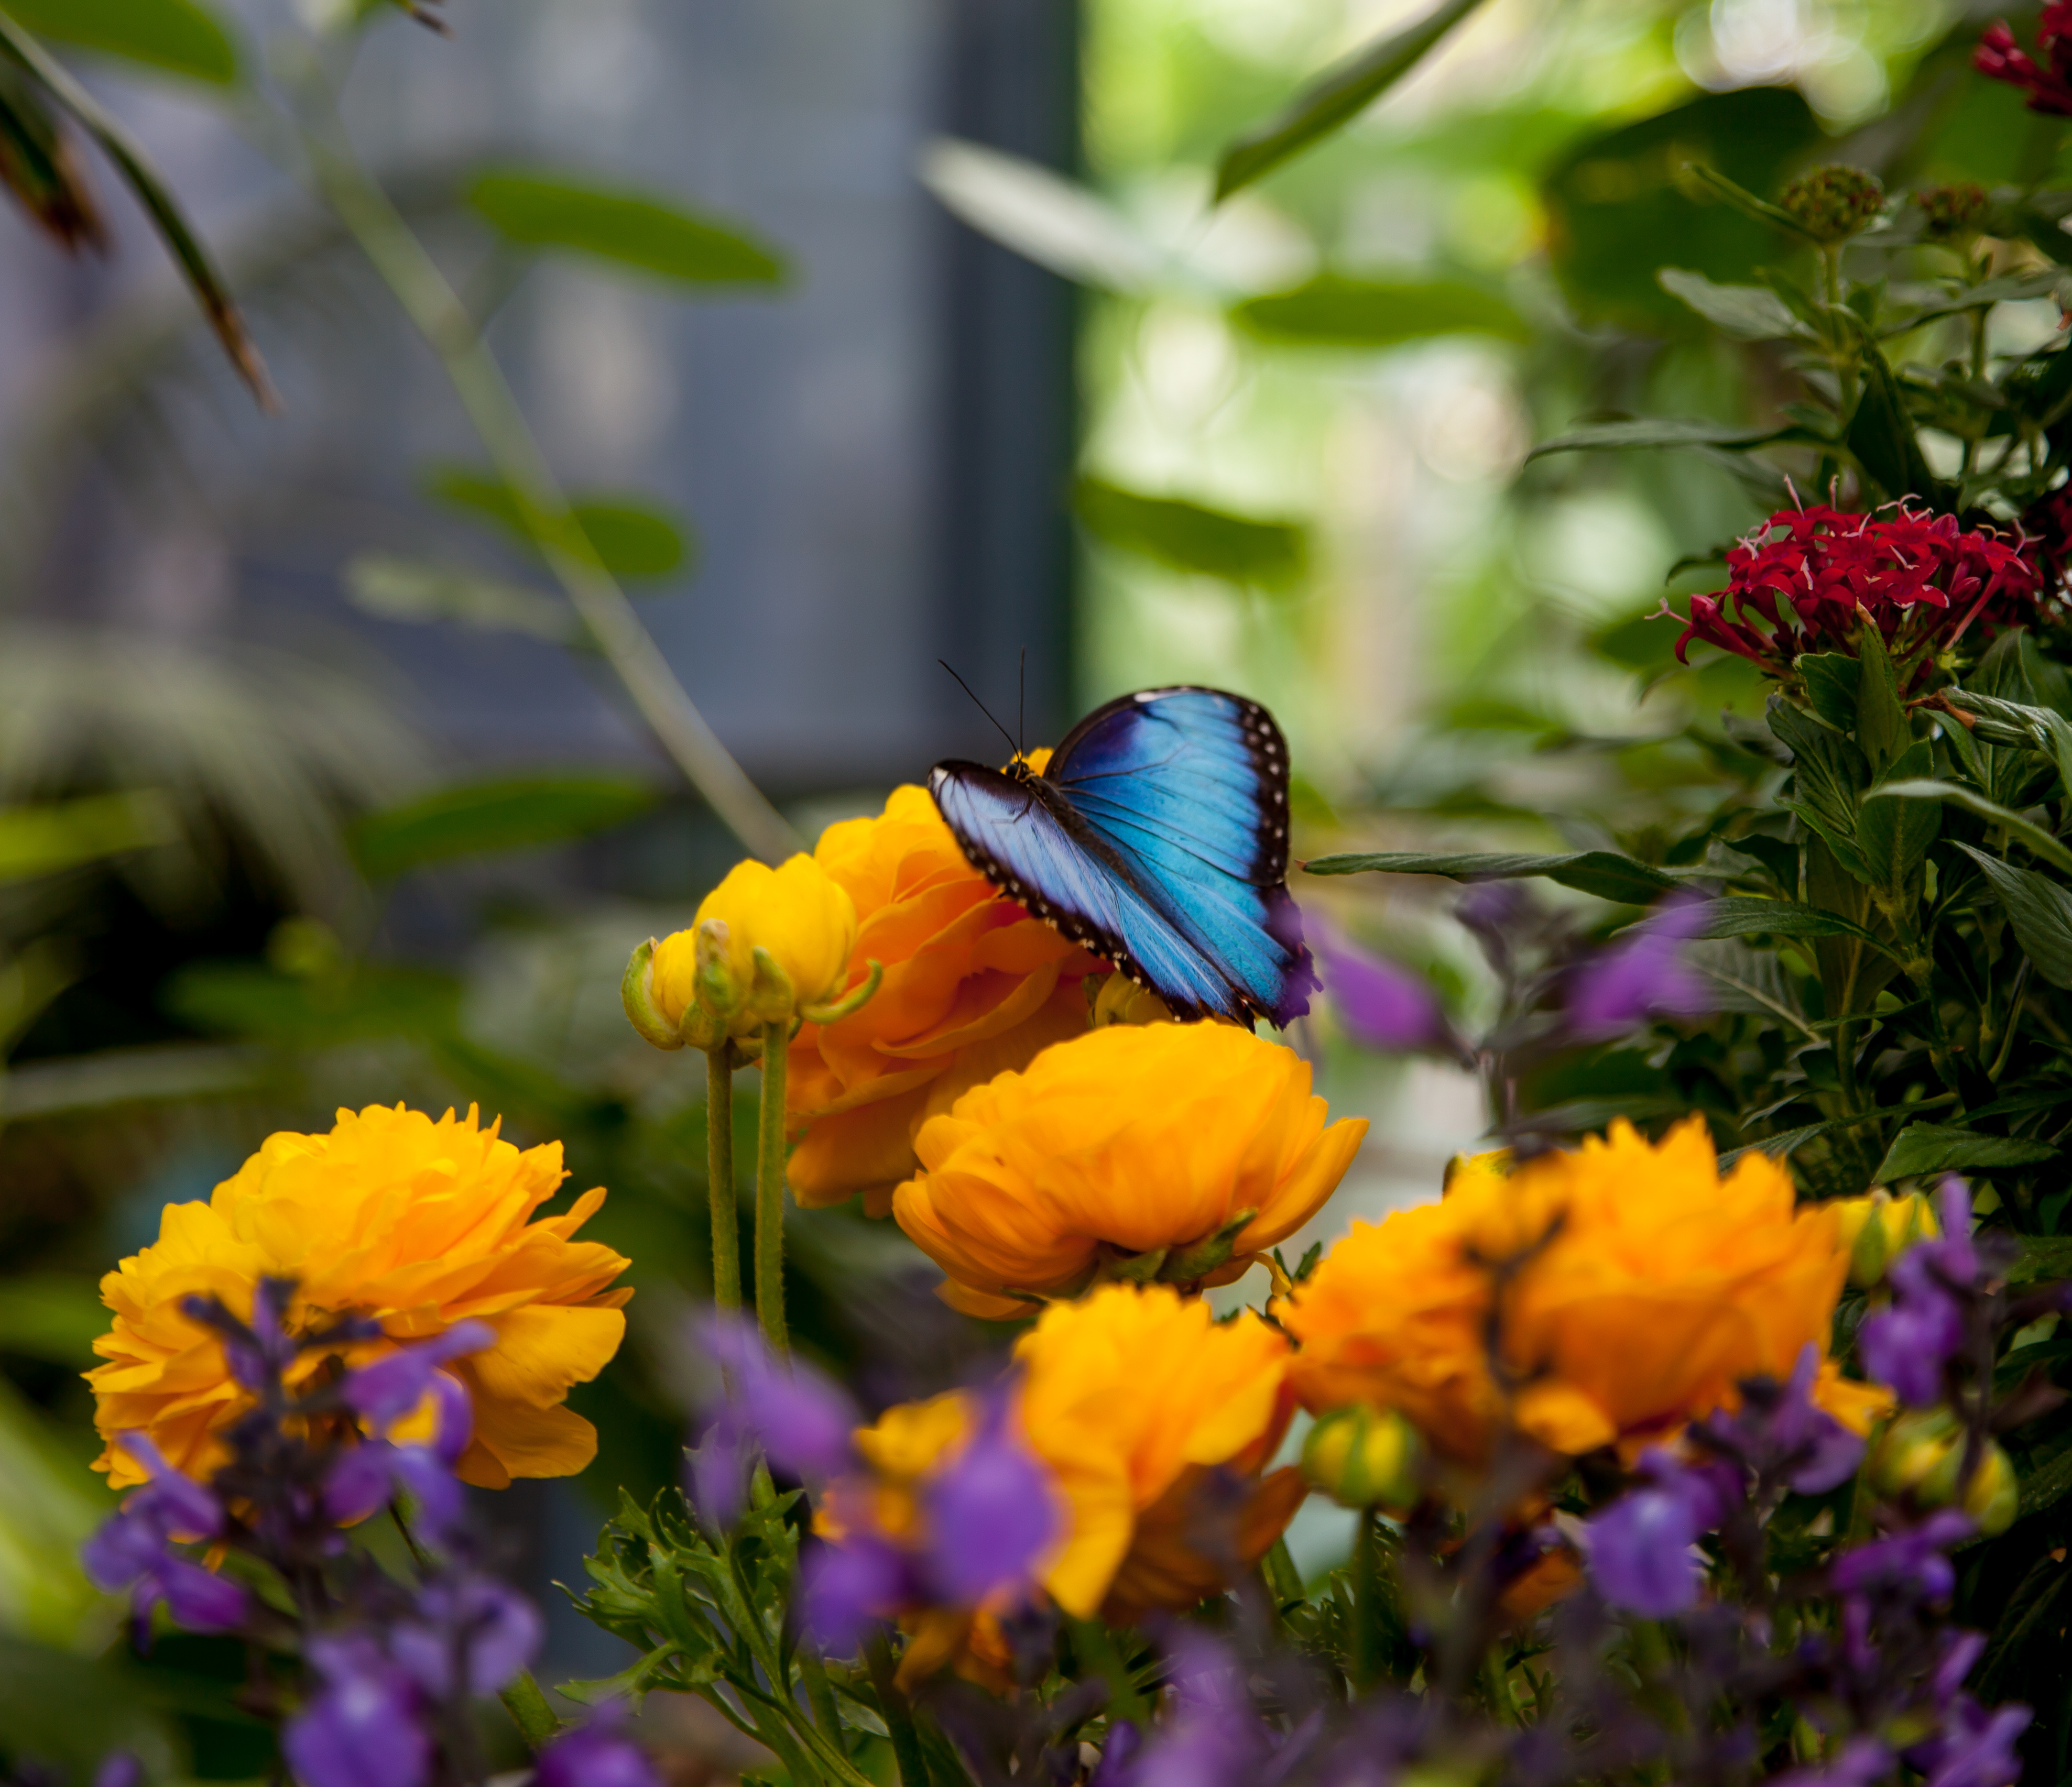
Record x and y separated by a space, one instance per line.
1157 837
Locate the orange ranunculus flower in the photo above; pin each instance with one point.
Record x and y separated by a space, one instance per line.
1201 1139
1130 1400
1650 1287
973 986
419 1225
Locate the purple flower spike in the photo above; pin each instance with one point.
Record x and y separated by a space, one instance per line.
596 1756
1781 1433
363 1730
173 1500
1911 1562
1380 1003
1215 1738
1640 1553
1643 975
1858 1762
1975 1749
495 1628
389 1390
198 1599
844 1586
992 1512
800 1415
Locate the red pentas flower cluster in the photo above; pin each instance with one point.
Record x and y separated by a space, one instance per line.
1806 580
2048 87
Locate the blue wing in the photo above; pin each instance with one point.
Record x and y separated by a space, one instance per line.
1159 829
1014 839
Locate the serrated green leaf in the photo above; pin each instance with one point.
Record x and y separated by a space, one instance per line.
1335 99
2039 909
1190 536
180 37
549 208
1927 1147
1335 310
634 538
1747 313
2013 288
1603 873
1748 915
505 813
2032 834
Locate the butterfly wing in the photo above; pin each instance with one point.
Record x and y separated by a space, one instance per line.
1013 835
1188 786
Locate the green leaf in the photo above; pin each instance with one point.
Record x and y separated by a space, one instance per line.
52 1317
1881 434
543 208
1619 204
1607 875
1750 915
632 537
178 36
1648 431
1894 838
1336 310
1747 313
1191 537
2011 289
410 589
2044 1259
41 841
2030 833
1335 100
244 999
1042 216
42 174
1881 725
1828 775
1750 204
2040 910
1925 1147
479 819
1831 681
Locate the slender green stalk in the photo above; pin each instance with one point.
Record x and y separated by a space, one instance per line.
899 1714
819 1696
1367 1601
529 1711
415 279
719 1172
770 1192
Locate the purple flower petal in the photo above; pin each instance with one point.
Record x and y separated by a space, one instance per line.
844 1586
173 1500
200 1600
1640 1552
1643 974
360 1482
119 1768
1380 1003
801 1417
389 1390
363 1730
594 1756
992 1512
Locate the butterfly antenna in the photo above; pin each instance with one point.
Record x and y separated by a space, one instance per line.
983 708
1021 706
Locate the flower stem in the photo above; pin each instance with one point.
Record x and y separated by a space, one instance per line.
769 1191
899 1714
719 1173
529 1711
1367 1601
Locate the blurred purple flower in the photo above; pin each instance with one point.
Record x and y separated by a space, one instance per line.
1857 1764
1966 1648
1782 1434
1640 1549
1907 1344
387 1391
1380 1003
992 1512
844 1587
368 1476
133 1549
1911 1562
1212 1738
1975 1747
1643 974
365 1728
258 1356
800 1418
595 1756
493 1627
119 1768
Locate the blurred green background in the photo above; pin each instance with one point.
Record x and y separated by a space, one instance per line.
313 790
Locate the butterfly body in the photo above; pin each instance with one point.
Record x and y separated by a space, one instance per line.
1156 836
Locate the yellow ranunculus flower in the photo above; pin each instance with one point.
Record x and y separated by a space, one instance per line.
802 920
416 1224
974 986
1130 1399
1646 1287
1200 1138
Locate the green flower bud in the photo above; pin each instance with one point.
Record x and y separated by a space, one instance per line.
1364 1457
1878 1228
1950 211
1913 1448
1831 204
1991 1497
